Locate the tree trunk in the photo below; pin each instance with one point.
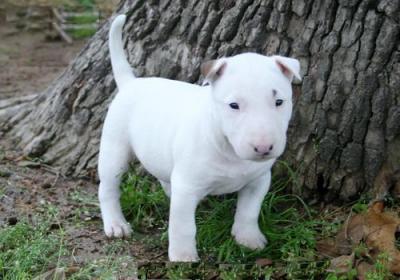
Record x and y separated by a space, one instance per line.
344 137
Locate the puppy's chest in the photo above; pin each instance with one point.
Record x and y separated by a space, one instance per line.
227 181
218 187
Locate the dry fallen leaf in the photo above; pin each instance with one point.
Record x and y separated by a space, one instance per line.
362 269
54 274
376 228
327 248
341 265
263 262
380 235
59 273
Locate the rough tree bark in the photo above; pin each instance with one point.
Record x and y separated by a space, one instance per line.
344 137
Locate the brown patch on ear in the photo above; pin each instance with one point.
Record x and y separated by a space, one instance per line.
285 71
212 70
206 67
221 69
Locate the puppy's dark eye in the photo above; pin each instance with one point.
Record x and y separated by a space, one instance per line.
278 102
234 106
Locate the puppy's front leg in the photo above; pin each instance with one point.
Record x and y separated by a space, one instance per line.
245 228
182 226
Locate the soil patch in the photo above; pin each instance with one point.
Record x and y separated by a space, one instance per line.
29 62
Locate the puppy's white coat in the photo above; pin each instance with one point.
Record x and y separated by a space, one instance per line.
197 140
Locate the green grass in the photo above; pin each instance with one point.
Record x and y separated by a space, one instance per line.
289 225
27 250
86 3
82 33
111 267
144 202
83 19
37 247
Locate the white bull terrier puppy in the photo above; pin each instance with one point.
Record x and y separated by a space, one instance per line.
197 140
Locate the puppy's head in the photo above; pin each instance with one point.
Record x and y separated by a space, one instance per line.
252 97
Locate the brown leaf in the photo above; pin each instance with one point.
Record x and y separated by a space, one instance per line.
263 262
71 270
351 234
327 248
362 269
59 273
341 265
377 228
54 274
377 206
381 236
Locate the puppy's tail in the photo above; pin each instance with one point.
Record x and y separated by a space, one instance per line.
121 69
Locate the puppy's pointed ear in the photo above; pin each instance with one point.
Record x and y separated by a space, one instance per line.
212 70
289 66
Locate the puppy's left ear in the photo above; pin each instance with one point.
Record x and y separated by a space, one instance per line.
289 66
212 70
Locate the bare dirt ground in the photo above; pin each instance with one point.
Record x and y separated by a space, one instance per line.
28 188
29 62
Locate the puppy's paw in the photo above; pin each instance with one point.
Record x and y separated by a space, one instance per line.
250 237
117 228
182 255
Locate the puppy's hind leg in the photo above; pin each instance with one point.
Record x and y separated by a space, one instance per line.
114 160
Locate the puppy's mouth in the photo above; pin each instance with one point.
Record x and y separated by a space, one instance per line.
264 157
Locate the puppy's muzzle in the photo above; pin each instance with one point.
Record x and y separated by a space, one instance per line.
263 150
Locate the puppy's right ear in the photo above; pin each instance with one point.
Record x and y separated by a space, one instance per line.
212 70
289 67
